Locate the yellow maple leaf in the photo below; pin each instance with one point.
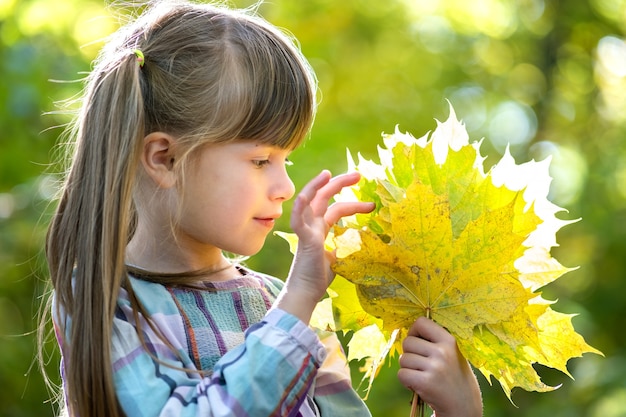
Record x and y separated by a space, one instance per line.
463 247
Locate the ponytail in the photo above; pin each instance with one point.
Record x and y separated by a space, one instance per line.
89 232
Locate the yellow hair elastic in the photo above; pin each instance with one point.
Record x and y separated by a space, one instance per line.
140 58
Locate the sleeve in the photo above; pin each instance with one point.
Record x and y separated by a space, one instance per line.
332 389
333 392
268 375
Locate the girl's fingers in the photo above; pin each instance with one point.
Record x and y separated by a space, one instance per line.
300 213
338 210
416 345
311 205
316 195
321 197
313 186
413 360
429 330
335 185
306 195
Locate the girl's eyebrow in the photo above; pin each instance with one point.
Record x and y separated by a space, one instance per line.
270 148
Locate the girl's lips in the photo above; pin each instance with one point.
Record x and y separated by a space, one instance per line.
267 222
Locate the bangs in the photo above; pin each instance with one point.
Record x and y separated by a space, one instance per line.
273 91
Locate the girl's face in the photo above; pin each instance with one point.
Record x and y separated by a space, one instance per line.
233 194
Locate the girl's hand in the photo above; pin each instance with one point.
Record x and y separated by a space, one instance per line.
433 367
311 218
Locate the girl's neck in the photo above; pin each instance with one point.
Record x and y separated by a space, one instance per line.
164 256
197 279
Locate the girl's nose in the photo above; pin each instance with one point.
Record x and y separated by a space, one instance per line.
283 188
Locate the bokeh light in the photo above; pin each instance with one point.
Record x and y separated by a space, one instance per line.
545 78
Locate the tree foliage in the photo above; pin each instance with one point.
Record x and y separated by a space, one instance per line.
546 76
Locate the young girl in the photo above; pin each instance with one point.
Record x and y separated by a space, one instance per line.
179 156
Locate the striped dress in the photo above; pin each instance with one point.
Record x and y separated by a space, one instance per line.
257 360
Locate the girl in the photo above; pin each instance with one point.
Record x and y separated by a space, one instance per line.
181 144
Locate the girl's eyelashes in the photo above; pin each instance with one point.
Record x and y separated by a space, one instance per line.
260 163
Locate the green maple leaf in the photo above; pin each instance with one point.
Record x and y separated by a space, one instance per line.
463 247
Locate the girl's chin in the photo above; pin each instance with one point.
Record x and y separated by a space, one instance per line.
249 250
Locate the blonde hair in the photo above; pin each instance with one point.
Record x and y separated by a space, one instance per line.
210 74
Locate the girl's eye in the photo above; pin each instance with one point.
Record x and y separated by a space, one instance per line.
260 163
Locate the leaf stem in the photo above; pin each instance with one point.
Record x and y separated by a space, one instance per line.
418 408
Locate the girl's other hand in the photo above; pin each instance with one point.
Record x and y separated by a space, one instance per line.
311 218
433 367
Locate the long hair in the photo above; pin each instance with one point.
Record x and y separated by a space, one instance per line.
209 74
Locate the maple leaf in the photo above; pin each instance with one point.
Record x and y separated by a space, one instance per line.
466 248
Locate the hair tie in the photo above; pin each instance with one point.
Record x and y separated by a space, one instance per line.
140 58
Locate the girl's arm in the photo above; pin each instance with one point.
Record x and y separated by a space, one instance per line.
434 368
333 392
269 374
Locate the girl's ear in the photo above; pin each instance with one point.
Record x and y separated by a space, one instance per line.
158 158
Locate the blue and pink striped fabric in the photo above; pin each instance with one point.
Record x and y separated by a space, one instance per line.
233 355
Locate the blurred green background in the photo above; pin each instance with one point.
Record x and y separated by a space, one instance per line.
546 76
